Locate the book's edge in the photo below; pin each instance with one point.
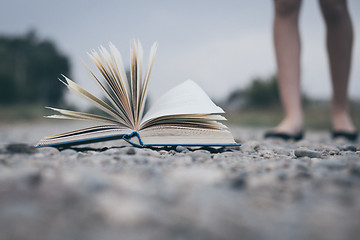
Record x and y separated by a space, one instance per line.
127 138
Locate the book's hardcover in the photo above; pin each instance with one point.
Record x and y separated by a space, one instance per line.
129 139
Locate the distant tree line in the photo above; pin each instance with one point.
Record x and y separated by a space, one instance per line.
260 93
29 69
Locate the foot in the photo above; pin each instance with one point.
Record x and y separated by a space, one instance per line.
285 136
341 122
289 126
287 130
345 135
343 127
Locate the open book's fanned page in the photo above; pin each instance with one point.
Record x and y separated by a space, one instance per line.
186 98
185 115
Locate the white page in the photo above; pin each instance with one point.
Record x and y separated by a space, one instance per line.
186 98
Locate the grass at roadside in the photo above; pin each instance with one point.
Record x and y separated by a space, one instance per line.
22 113
316 118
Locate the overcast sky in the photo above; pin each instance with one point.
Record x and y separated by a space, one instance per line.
221 45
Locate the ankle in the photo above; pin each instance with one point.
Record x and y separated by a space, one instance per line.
295 120
339 109
341 121
290 125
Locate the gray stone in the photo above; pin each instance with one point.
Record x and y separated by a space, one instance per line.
94 183
202 151
301 167
181 160
344 181
147 152
348 148
333 152
48 150
181 149
302 172
333 164
266 153
67 152
34 179
217 157
3 161
112 151
257 147
354 169
20 148
163 152
239 182
250 146
131 151
303 175
303 152
200 156
281 175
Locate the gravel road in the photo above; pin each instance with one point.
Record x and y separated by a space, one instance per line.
266 189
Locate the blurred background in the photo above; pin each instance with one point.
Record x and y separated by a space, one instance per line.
225 46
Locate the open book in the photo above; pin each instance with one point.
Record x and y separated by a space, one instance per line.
185 115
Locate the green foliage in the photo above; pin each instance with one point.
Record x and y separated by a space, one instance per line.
29 69
316 116
261 93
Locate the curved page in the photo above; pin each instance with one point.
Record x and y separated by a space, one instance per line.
186 98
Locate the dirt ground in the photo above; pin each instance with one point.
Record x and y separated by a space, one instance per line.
266 189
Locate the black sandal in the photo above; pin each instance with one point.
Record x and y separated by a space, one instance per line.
285 136
350 136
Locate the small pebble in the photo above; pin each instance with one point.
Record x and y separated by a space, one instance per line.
301 167
257 147
20 148
348 148
333 153
181 149
303 175
200 156
112 151
343 181
183 160
34 179
163 152
3 161
250 146
303 152
281 175
354 170
333 164
48 150
68 152
131 151
239 182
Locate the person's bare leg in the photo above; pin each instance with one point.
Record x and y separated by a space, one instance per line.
339 46
287 49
